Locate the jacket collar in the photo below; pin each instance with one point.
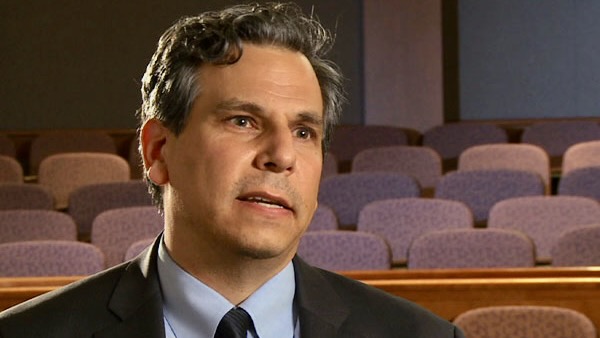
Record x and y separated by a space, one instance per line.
137 299
322 312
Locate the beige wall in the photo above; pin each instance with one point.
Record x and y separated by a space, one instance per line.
403 63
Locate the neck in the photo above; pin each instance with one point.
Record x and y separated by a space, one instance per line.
234 276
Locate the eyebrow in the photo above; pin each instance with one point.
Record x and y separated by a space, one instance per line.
250 107
310 118
235 104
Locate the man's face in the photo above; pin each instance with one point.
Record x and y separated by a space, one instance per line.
243 175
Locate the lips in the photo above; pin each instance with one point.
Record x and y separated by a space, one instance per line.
267 200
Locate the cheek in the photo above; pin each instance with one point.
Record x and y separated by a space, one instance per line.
191 167
309 184
217 170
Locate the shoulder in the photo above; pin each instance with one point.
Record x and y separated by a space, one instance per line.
373 310
123 301
82 305
364 298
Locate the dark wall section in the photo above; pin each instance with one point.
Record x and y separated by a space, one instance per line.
344 17
450 75
78 64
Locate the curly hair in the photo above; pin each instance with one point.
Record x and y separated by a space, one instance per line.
170 83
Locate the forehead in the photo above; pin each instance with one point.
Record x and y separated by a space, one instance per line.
267 75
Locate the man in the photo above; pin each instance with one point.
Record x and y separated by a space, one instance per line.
237 112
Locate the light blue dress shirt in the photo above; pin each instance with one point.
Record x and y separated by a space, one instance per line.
193 310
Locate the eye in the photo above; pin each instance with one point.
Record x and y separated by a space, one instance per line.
241 121
304 133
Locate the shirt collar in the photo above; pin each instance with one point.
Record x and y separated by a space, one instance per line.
193 309
272 305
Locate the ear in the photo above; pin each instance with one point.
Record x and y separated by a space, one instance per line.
153 137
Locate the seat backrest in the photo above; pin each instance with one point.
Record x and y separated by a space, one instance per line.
25 196
87 202
49 258
63 173
471 248
531 321
323 219
345 250
422 163
481 189
349 140
449 140
346 194
581 182
581 155
525 157
557 136
400 221
113 231
30 224
577 247
544 218
11 170
137 247
68 141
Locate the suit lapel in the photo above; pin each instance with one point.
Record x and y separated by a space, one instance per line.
321 311
137 300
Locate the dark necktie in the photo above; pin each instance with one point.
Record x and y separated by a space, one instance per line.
235 324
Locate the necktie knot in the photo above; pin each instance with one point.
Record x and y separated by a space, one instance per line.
235 324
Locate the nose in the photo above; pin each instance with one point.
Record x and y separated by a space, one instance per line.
276 152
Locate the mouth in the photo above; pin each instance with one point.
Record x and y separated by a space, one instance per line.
266 200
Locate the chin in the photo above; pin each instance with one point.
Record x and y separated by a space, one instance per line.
260 252
279 241
264 251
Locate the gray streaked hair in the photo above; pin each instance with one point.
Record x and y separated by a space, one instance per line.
170 84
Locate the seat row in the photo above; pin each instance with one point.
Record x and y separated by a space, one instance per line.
448 249
84 202
450 140
400 221
63 173
43 242
425 164
532 321
367 147
44 258
67 141
480 190
34 239
346 194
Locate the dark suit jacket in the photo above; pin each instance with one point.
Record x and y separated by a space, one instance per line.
126 301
